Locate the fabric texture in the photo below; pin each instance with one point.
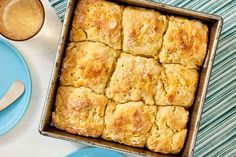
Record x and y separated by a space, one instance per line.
217 131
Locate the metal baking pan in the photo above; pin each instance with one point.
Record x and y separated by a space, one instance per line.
214 23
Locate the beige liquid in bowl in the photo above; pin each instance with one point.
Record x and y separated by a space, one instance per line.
21 19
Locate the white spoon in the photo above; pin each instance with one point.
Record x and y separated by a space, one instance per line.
15 91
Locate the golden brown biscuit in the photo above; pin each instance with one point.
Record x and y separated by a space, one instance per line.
185 42
143 31
88 64
97 20
79 111
128 123
177 86
134 79
169 132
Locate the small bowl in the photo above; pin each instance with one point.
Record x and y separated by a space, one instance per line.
3 4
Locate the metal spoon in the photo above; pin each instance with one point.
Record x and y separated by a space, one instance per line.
14 92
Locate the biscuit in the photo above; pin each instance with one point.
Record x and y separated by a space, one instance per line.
134 79
185 42
169 131
143 31
97 20
128 123
79 111
88 64
177 86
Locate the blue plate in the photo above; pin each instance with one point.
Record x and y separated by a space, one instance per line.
95 152
12 67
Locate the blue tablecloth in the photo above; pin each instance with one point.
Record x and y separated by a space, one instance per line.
217 132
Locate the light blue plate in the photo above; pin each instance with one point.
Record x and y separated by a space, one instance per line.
12 67
94 152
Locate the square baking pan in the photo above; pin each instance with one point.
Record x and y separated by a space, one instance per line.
214 23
